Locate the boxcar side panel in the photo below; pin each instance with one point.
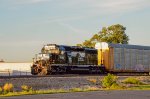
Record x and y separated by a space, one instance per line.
118 59
130 60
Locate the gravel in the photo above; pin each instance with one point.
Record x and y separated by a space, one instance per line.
43 83
40 83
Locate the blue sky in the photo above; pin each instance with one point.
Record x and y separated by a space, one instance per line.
27 25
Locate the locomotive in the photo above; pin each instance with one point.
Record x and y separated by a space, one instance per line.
65 59
105 57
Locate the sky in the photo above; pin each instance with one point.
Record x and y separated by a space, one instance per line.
27 25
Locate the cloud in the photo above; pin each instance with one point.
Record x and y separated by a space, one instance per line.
91 8
119 6
96 7
65 18
18 2
72 28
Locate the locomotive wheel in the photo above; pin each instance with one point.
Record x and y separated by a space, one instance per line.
33 71
90 70
43 72
58 70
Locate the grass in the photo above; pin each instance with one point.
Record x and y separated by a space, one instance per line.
54 91
26 88
76 90
132 80
34 92
92 89
140 87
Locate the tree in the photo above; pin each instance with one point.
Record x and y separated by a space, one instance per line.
112 34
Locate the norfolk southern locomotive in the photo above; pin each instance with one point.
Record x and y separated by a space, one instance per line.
64 59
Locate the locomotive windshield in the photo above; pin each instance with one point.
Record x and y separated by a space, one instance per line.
51 49
41 56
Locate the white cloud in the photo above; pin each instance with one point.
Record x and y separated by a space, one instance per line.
90 8
72 28
29 1
118 6
107 6
65 18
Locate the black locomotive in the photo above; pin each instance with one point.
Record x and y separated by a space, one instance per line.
65 59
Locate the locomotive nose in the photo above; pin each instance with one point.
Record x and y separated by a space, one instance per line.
33 69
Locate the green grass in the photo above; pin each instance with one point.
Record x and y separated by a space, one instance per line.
140 87
34 92
54 91
132 80
76 90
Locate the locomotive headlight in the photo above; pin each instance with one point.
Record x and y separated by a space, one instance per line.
62 52
46 47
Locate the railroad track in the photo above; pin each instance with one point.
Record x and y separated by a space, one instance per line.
58 75
70 75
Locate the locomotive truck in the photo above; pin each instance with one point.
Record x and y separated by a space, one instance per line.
105 57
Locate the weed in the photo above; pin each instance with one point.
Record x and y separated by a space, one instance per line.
26 88
109 80
1 90
131 80
93 81
8 87
116 86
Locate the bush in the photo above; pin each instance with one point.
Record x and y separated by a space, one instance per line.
109 80
26 88
131 80
8 87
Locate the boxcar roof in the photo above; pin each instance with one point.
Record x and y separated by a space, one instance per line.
129 46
